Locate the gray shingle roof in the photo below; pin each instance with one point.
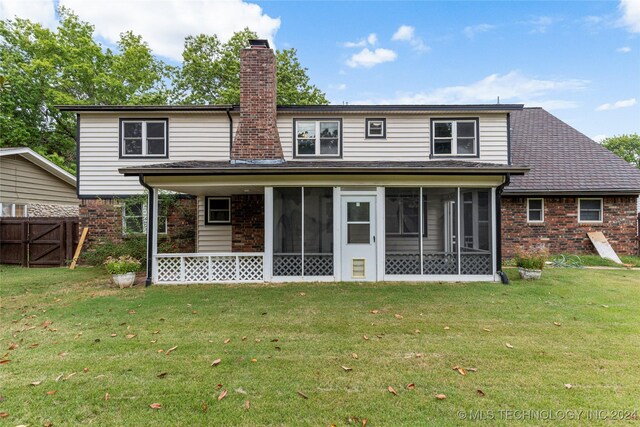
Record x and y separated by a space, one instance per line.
563 160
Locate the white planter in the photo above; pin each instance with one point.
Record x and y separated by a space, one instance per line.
529 274
124 280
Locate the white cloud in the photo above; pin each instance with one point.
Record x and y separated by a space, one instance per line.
599 138
472 30
630 14
624 103
624 49
42 11
165 23
339 86
406 33
510 87
368 58
371 39
541 24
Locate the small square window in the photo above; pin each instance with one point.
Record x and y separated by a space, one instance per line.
535 210
217 210
376 128
590 210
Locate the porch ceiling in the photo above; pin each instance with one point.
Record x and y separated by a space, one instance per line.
209 190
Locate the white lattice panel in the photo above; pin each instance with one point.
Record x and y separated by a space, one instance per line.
250 269
196 269
318 265
169 269
475 264
440 264
402 264
287 265
223 269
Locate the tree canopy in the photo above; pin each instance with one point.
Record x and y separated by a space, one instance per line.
625 146
41 68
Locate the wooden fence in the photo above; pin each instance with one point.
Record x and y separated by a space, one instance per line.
37 242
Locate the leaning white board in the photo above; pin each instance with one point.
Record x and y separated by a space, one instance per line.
602 246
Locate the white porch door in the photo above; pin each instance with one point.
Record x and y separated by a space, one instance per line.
358 239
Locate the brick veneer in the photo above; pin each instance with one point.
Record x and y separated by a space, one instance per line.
104 219
257 137
561 232
247 223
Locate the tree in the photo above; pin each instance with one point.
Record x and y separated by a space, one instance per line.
625 146
210 73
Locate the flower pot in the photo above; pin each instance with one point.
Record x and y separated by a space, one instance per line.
124 280
527 274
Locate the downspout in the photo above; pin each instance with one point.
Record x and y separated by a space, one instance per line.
230 131
499 189
150 227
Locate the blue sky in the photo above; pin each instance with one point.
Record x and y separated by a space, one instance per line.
580 60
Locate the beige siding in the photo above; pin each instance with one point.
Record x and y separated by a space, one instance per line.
212 238
24 182
191 137
408 138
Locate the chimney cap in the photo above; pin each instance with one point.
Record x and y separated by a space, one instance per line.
259 43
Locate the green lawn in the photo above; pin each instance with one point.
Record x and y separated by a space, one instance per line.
292 338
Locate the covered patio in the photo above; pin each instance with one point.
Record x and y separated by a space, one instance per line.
333 221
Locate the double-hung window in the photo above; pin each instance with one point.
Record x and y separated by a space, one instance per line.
376 128
144 138
318 138
454 137
590 210
218 210
535 210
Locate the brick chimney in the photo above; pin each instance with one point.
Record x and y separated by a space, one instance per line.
257 139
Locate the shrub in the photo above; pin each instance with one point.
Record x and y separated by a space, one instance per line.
133 246
533 259
122 265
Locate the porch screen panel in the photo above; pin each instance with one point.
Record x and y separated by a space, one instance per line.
475 228
402 231
287 231
440 228
318 231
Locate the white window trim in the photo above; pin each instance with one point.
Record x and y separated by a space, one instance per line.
531 221
454 137
207 221
317 138
383 129
586 221
13 210
144 221
144 138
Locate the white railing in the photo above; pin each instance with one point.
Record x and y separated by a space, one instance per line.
209 267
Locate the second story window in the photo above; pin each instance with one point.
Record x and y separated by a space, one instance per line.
376 128
143 138
454 137
318 138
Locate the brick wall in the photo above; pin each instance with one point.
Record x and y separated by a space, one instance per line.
561 231
257 137
247 223
104 219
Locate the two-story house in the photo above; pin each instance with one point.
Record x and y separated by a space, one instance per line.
318 193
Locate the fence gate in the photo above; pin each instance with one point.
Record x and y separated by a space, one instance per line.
37 242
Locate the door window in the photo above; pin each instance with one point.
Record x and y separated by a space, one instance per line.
358 223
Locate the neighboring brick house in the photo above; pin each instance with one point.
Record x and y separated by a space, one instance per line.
33 186
316 192
574 186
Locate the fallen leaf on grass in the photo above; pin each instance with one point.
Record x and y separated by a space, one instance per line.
354 355
446 328
13 346
398 316
114 335
218 387
568 386
347 368
274 340
556 323
160 351
461 371
375 311
153 341
194 312
4 361
472 369
509 345
34 345
254 360
132 312
106 396
302 294
155 406
46 323
204 407
170 350
216 362
364 422
605 306
247 405
301 394
47 424
486 329
222 395
366 338
392 390
58 377
411 386
36 383
441 396
227 341
258 340
243 338
52 392
131 336
68 376
161 375
4 414
480 393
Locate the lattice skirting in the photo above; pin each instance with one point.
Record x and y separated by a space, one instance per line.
476 264
209 269
314 265
402 264
440 263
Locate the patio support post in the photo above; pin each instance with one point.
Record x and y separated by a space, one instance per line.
507 180
152 230
267 262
